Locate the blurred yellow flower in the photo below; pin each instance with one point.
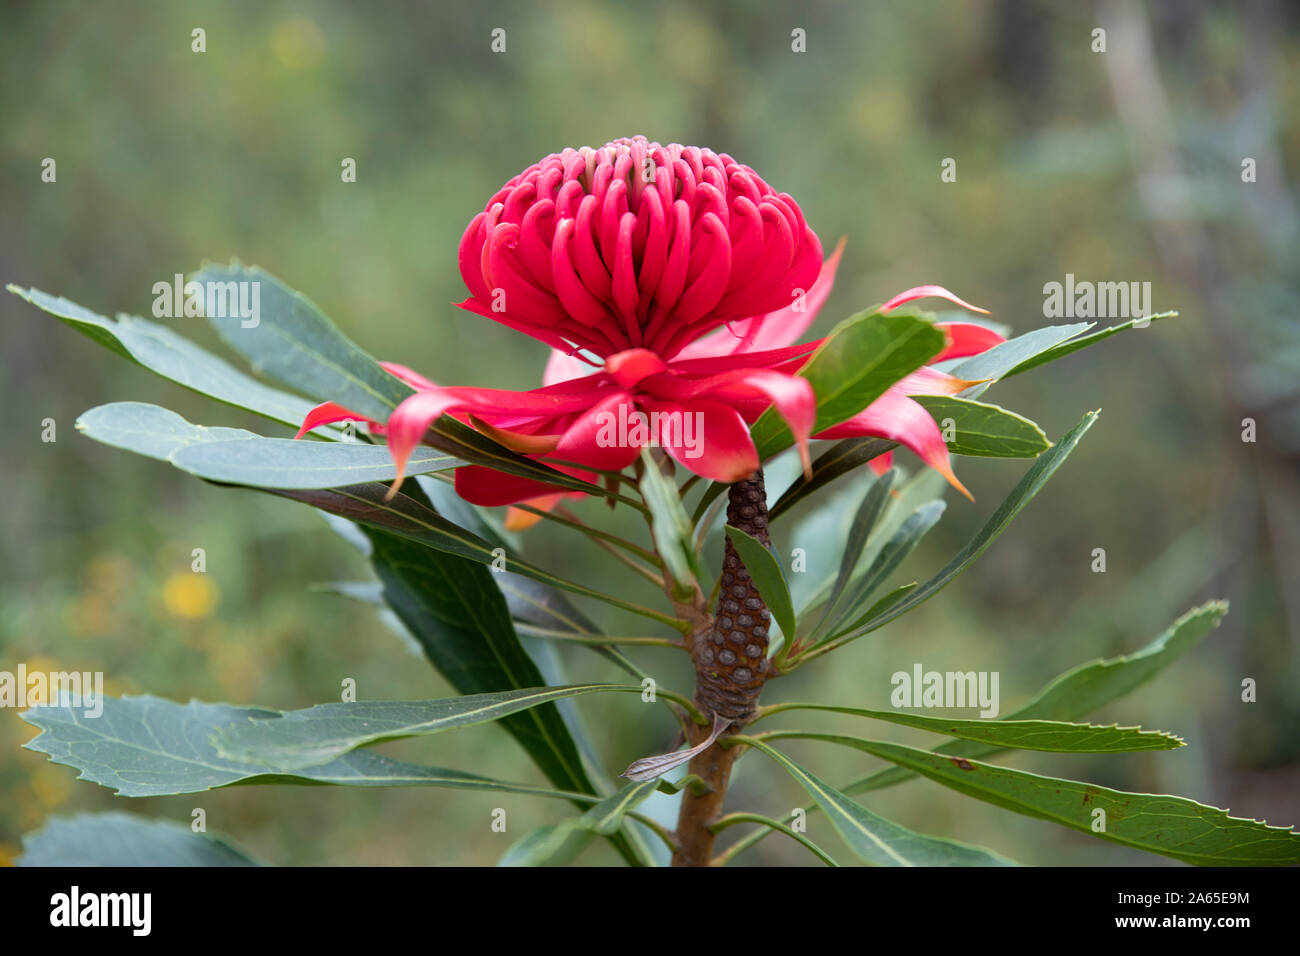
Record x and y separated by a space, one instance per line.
298 42
190 595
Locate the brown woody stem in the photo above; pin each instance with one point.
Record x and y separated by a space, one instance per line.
729 650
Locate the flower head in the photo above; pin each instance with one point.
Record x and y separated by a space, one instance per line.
672 283
635 246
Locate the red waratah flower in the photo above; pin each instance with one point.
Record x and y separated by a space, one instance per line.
671 282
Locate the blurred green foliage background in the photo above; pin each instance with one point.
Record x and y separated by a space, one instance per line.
1123 165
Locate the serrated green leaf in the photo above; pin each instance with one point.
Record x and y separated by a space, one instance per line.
1083 689
293 739
123 839
983 430
1157 823
147 747
1051 735
766 574
874 838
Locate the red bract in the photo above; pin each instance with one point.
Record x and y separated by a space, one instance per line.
679 280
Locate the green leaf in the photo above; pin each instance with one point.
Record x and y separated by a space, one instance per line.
1074 694
669 524
149 747
923 486
900 544
285 463
1052 735
862 357
296 344
447 606
454 610
294 739
864 521
236 456
872 837
1001 359
1037 476
558 844
890 599
369 505
160 350
766 573
123 839
1157 823
1082 342
840 459
150 430
1084 689
553 844
986 431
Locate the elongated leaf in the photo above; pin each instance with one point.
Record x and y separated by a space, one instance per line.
669 524
840 459
558 844
1084 689
766 573
872 837
1037 476
293 342
150 430
123 839
926 485
369 505
454 610
160 350
1072 695
236 456
1082 342
900 544
1158 823
285 463
982 430
148 747
863 522
1053 735
890 599
1001 359
295 739
862 357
